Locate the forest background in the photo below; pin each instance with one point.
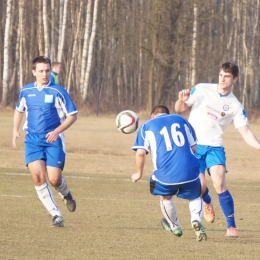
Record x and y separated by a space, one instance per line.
130 54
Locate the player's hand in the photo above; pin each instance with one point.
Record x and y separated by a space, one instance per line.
136 177
15 136
52 136
184 95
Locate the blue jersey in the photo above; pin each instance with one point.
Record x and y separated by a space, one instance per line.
169 139
46 108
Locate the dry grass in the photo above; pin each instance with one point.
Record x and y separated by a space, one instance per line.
116 219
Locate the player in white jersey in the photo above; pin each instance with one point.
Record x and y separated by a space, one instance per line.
171 140
49 112
213 107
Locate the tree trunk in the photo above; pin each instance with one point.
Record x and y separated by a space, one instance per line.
63 31
21 25
85 45
45 28
75 49
6 53
194 45
90 51
40 28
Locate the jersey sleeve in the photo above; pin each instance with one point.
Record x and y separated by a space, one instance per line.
141 141
193 96
65 101
191 135
240 118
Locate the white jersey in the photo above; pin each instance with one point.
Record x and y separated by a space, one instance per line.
211 113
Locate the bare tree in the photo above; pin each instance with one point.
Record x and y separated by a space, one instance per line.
46 28
75 49
90 51
6 54
63 31
85 44
194 45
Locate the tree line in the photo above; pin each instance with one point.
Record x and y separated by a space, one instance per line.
122 54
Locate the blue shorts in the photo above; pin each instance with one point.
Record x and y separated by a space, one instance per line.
188 191
36 148
210 156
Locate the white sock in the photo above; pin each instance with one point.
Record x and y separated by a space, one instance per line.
46 197
169 211
62 189
196 209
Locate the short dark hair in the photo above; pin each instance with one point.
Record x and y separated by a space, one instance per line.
40 59
230 67
160 109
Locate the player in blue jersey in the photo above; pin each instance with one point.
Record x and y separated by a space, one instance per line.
56 69
171 141
49 112
213 107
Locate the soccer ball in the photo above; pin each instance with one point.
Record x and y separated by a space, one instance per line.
127 121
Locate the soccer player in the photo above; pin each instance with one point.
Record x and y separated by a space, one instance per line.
56 70
213 107
49 112
171 141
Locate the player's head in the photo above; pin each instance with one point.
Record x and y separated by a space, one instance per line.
57 67
40 59
228 76
231 68
158 110
41 70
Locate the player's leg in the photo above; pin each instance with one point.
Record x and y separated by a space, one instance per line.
191 191
35 157
170 221
225 198
196 209
38 172
55 163
59 183
209 213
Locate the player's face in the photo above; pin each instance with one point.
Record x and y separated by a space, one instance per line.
226 80
42 73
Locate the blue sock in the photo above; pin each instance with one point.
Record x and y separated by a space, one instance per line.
206 197
227 204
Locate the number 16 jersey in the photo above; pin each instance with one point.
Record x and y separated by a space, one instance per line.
169 139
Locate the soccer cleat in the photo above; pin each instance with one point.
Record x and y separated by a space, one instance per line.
232 232
199 230
209 214
57 221
166 226
70 202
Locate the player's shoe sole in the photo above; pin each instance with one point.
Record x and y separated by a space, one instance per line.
199 230
167 227
70 202
57 221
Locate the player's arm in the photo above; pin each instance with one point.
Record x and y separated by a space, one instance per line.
140 161
180 105
53 136
249 137
18 116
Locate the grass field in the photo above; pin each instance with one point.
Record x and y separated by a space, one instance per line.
116 219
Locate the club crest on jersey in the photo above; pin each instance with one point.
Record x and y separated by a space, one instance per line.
48 99
225 107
